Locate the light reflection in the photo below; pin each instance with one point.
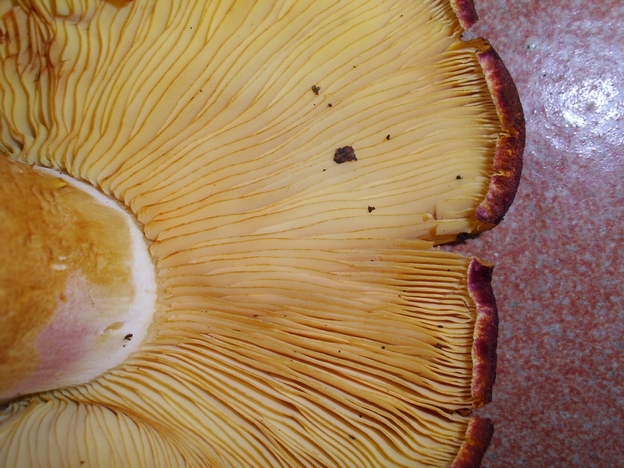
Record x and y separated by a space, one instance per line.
592 102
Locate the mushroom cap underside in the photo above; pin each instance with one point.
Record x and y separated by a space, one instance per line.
308 320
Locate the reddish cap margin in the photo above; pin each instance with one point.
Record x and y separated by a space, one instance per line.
507 167
478 437
465 12
480 430
485 332
507 164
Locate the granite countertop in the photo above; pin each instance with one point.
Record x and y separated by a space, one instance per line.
559 394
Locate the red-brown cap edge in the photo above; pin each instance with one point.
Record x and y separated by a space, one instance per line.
478 437
507 165
485 335
466 12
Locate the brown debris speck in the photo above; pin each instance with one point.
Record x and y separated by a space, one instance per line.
127 338
344 154
371 209
316 89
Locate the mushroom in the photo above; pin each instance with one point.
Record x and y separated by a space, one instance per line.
290 167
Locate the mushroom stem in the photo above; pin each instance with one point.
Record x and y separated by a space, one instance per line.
79 291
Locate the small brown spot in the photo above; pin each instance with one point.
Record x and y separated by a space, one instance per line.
383 347
315 89
387 137
459 177
329 105
371 209
344 154
440 326
438 345
126 339
352 437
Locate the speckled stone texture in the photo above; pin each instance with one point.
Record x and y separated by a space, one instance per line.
558 254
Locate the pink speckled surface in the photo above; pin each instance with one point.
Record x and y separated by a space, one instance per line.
559 394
